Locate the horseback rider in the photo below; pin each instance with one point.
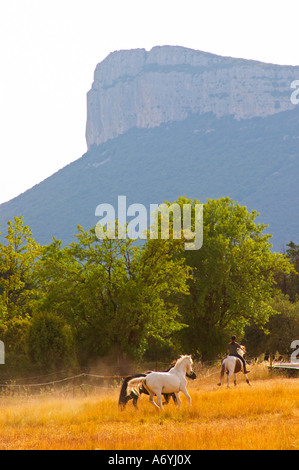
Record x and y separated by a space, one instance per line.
232 350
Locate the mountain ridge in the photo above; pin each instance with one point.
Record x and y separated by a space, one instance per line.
201 157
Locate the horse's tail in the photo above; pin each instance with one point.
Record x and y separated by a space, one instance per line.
136 385
123 398
125 395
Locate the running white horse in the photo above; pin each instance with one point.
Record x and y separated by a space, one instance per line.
173 381
232 365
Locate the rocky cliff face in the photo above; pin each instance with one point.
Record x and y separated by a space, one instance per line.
143 89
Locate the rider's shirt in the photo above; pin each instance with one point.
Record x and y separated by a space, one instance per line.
232 348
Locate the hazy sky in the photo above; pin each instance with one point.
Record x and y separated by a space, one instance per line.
50 48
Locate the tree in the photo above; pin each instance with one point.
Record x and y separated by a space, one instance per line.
281 330
18 289
289 282
232 277
14 335
50 343
116 296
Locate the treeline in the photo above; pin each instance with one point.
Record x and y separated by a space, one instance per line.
66 306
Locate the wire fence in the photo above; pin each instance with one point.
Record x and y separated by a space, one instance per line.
65 382
82 382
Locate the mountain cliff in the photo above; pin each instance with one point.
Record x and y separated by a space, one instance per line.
172 122
144 89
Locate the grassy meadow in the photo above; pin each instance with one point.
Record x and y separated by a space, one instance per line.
263 416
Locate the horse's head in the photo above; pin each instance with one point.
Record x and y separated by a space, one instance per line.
241 350
192 375
184 363
189 364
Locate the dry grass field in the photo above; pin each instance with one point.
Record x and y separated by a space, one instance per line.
263 416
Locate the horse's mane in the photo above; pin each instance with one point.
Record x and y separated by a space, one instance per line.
242 350
181 359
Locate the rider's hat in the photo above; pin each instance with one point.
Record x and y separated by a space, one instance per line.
233 338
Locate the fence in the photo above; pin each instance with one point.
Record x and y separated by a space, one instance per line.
65 382
82 382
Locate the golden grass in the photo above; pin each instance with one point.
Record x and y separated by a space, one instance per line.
264 416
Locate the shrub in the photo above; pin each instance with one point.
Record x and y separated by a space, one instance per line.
50 343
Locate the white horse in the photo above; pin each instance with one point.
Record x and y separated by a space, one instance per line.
173 381
232 365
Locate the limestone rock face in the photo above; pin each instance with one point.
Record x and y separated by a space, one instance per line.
143 89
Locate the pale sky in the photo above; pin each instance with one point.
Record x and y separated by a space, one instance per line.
49 50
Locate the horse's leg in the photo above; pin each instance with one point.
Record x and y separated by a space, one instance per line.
247 381
235 380
174 398
167 397
220 381
152 401
230 373
178 400
159 400
222 374
184 390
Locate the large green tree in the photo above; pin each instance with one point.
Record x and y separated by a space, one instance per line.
232 277
115 295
